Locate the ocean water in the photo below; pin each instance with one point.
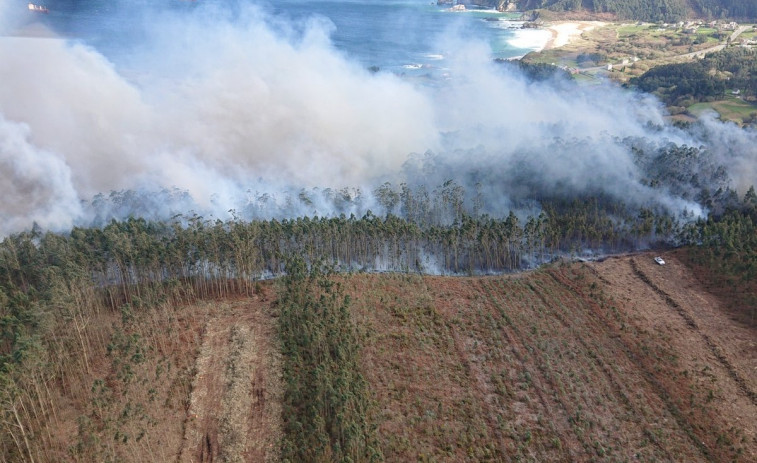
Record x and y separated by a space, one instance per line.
401 36
411 34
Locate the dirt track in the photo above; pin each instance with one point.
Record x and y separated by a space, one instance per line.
235 404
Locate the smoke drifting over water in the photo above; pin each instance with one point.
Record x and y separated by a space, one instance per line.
244 110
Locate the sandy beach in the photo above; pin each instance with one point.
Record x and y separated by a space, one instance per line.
565 32
552 34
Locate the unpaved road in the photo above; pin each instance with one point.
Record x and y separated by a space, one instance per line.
235 405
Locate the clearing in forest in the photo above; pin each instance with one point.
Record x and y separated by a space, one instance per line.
235 405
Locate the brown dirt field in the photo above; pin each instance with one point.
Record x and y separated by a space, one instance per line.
619 360
604 361
718 353
610 361
187 383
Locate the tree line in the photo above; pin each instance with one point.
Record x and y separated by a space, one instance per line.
726 253
326 402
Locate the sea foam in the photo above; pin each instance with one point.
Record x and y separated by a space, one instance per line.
530 39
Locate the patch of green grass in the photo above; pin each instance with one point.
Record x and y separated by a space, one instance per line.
709 39
698 108
734 108
626 30
731 108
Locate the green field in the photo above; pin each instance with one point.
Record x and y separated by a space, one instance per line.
732 109
750 34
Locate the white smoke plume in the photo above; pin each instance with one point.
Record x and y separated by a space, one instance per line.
36 184
242 107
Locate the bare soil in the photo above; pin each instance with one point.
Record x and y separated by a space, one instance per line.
189 383
234 412
616 360
716 352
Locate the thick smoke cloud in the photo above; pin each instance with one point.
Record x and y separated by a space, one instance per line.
243 110
36 184
732 147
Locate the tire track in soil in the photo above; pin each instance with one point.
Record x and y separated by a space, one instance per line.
637 359
235 408
691 323
474 372
612 378
514 340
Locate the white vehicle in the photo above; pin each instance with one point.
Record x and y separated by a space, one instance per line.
659 260
37 8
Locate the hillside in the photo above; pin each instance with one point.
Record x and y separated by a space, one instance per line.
708 79
610 361
648 10
599 361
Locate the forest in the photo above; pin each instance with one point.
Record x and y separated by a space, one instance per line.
536 72
703 80
725 8
90 315
54 286
59 289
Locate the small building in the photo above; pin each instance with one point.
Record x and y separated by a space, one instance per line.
731 26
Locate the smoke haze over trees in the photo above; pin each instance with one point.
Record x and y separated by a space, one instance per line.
196 162
222 110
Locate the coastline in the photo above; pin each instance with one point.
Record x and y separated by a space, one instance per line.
565 32
553 34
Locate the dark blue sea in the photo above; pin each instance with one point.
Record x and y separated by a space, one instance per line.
402 36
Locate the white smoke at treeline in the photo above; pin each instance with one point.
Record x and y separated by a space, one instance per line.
242 111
